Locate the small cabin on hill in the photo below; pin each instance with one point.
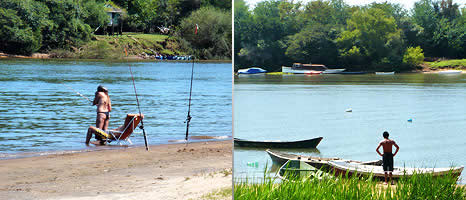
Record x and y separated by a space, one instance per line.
115 23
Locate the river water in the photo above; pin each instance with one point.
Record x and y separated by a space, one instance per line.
40 113
297 107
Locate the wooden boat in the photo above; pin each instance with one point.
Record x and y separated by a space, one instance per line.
312 143
281 158
343 167
384 73
295 169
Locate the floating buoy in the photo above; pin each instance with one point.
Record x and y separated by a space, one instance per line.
410 120
349 110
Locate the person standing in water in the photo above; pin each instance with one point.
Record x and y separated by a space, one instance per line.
104 107
387 156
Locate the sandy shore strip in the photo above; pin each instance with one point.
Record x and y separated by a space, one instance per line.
171 171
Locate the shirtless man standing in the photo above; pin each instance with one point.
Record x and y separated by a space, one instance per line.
387 155
104 107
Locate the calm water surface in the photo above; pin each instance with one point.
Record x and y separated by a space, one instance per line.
39 113
296 107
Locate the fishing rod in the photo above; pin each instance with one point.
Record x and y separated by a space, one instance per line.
77 92
188 118
137 101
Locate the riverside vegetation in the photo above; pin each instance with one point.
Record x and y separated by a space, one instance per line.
419 186
373 37
65 28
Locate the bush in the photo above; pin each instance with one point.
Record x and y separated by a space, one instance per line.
60 53
413 56
213 39
100 50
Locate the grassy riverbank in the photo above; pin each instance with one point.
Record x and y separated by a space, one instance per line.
447 64
112 47
418 187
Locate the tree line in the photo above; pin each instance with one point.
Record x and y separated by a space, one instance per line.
29 26
377 36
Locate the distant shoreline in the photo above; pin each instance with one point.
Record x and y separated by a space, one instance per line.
39 56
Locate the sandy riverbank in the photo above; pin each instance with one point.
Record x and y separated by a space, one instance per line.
173 171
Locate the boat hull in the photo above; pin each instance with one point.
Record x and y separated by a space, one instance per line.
343 168
280 158
304 71
384 73
450 72
312 143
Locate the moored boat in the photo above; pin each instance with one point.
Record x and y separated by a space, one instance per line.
384 73
311 143
280 158
299 68
343 167
295 169
450 72
252 70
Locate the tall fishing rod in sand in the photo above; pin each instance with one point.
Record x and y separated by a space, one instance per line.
188 118
137 101
76 92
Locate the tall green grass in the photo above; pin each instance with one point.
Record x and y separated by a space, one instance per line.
456 64
420 186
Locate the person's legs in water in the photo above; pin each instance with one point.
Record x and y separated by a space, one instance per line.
106 121
100 120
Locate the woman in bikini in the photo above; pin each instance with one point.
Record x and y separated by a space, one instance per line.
104 107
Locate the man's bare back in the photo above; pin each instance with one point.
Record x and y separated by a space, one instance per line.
387 145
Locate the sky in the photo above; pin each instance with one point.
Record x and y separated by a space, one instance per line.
407 4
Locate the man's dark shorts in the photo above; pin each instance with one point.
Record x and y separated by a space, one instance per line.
387 162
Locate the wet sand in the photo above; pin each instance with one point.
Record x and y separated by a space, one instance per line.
172 171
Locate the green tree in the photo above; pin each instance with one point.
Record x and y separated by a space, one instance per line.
372 34
413 56
94 14
16 36
266 36
213 38
242 26
67 28
23 29
314 44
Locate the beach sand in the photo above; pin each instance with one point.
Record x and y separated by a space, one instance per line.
171 171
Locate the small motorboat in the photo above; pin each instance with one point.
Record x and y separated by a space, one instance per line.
313 72
384 73
299 68
252 70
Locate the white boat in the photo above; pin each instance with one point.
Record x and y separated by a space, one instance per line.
450 72
343 167
299 68
252 70
384 73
